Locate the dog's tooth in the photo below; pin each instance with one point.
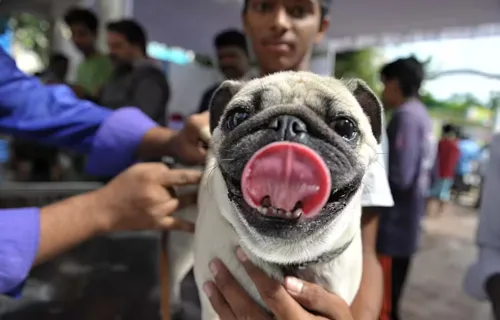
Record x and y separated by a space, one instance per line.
288 214
272 211
297 213
281 212
262 210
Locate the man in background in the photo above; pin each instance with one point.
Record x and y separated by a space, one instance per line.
482 280
232 59
469 152
57 70
446 163
137 80
96 68
409 134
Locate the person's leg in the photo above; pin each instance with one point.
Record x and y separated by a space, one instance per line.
399 271
386 264
444 196
432 200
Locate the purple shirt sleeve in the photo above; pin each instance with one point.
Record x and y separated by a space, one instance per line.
403 151
113 150
19 234
116 142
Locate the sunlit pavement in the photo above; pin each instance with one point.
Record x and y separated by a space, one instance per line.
435 288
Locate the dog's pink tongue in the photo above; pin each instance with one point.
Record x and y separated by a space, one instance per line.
287 173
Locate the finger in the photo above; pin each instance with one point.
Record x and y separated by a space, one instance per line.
166 222
171 223
205 134
274 295
317 299
180 177
218 302
240 302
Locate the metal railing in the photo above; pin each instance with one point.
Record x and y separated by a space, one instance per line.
37 194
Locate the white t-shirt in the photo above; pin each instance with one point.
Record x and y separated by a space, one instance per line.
376 190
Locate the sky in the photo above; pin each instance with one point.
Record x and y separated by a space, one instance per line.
480 54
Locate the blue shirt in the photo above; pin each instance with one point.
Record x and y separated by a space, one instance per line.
469 151
53 115
409 138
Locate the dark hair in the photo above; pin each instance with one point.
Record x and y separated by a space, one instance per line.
82 16
409 72
449 129
231 38
58 57
324 4
131 30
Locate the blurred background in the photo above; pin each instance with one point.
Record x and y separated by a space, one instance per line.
459 41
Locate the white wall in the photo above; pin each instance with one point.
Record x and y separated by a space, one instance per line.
187 83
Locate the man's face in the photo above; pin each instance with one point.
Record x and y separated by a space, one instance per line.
233 62
391 93
82 37
283 32
120 50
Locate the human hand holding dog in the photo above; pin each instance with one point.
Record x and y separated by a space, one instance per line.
295 300
187 145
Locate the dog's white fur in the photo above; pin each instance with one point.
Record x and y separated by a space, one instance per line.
219 229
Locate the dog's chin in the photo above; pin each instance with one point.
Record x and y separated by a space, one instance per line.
287 227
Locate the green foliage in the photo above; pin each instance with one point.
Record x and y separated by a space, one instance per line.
32 33
363 64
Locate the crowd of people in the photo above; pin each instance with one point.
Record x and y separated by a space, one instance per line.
282 35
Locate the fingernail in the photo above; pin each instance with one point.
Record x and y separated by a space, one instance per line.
293 285
213 268
208 288
241 255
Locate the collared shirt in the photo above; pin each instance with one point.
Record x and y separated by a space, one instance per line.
53 115
143 84
488 230
94 72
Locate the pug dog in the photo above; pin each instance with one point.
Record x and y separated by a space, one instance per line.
283 180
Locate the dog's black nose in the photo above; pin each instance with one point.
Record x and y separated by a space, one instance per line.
289 127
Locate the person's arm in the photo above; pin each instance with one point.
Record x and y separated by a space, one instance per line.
54 115
137 199
403 153
206 98
368 301
376 195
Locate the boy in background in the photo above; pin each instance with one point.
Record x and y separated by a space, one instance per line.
447 157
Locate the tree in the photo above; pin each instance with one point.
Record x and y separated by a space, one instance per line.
364 64
32 33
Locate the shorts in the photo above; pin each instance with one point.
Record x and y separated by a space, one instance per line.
441 189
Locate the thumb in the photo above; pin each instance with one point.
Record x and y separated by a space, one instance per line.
167 222
171 223
315 298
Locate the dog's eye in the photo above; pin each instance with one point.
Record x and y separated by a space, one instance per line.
346 128
235 118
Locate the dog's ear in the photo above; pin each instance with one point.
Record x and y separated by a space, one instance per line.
371 105
220 99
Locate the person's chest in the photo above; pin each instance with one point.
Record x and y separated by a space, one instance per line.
118 92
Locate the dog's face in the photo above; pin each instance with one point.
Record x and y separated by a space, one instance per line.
292 149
